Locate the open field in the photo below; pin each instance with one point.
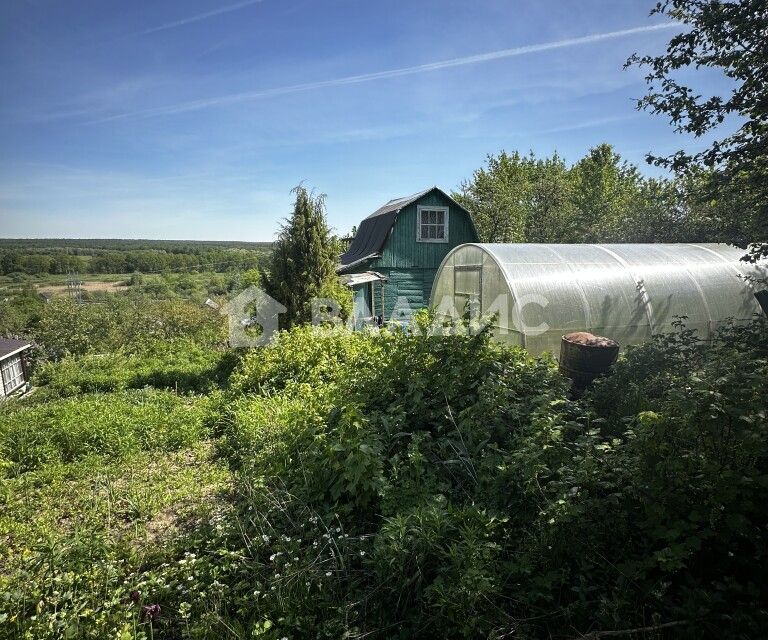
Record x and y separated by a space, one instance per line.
161 269
92 286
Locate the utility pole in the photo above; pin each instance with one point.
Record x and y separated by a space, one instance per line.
73 287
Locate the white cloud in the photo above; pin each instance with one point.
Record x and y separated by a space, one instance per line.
198 17
244 96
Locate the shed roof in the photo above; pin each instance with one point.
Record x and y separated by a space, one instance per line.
9 346
373 231
354 279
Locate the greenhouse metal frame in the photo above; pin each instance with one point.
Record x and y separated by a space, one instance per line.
628 292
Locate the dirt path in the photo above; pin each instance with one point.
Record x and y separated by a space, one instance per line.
90 287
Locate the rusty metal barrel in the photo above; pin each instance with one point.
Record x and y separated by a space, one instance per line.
584 357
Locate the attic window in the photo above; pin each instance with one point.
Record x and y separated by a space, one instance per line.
432 224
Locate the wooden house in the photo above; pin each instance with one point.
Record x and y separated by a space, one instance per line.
391 263
14 373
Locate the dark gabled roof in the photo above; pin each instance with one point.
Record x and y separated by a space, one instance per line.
398 203
12 345
373 231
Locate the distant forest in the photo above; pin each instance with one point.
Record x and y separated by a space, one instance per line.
96 256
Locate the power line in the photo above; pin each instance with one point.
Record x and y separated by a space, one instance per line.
74 287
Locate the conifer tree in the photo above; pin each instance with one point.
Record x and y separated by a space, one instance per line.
304 258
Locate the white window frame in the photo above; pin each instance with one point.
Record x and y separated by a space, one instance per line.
445 211
12 372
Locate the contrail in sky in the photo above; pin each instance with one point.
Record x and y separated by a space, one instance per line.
232 98
199 17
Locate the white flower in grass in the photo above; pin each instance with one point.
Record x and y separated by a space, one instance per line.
328 574
277 575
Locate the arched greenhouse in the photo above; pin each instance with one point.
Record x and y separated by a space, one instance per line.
627 292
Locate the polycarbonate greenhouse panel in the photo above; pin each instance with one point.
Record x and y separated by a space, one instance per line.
627 292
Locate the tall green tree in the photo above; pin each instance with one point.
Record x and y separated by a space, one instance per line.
729 36
657 212
551 207
601 198
605 189
516 198
303 259
496 197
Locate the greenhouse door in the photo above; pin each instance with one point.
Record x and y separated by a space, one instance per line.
467 290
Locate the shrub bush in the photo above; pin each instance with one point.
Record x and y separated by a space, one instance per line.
124 323
483 502
402 486
309 355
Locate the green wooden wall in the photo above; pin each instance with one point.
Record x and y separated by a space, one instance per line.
411 266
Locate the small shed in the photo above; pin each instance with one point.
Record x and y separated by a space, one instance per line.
392 260
14 372
627 292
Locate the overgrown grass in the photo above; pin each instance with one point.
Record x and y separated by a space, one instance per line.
179 365
110 425
77 536
386 485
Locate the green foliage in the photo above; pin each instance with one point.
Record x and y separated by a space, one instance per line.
514 198
180 365
605 192
127 256
124 323
315 356
75 537
303 259
402 485
604 199
600 198
725 36
250 278
112 425
333 289
20 311
481 501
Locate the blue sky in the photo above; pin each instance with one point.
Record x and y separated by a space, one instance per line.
193 119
